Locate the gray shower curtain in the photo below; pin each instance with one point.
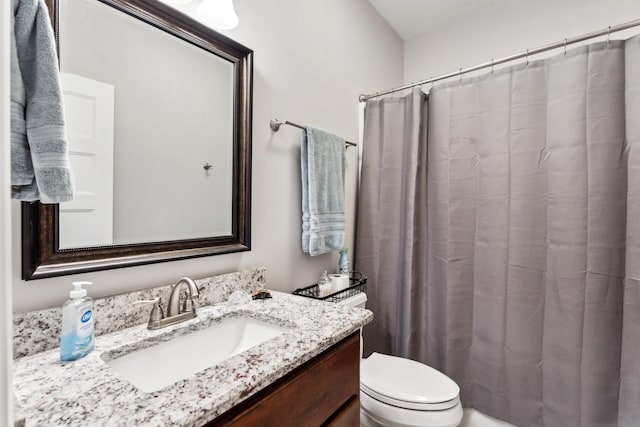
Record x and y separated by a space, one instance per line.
501 236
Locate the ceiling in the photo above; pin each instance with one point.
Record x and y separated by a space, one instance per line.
411 18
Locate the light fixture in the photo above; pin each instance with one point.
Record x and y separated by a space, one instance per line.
218 13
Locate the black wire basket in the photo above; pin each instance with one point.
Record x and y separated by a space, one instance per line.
357 284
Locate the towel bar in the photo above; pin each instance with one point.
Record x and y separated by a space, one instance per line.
275 124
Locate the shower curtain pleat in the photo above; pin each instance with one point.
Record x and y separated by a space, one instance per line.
518 289
393 195
629 404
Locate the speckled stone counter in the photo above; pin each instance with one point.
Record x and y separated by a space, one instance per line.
88 393
18 418
38 331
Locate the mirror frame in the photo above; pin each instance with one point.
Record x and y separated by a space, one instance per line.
41 255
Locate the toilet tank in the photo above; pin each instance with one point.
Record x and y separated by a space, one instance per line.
359 300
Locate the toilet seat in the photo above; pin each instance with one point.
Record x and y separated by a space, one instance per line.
407 384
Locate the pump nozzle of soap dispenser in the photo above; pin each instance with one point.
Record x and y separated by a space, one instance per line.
78 290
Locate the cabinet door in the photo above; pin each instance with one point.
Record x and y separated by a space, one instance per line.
308 396
347 416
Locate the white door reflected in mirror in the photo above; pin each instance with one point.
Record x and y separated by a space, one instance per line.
88 219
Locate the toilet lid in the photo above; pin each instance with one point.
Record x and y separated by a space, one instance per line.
407 383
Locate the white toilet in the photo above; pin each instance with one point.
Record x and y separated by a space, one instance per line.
404 393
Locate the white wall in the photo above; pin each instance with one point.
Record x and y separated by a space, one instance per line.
506 27
6 324
312 60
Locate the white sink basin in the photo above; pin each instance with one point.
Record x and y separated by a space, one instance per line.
153 368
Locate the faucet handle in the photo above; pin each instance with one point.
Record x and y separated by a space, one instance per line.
157 313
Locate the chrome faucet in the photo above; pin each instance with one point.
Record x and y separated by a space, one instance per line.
181 306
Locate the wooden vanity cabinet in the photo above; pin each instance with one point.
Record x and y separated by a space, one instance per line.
325 391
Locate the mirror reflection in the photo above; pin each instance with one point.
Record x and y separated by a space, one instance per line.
159 126
150 130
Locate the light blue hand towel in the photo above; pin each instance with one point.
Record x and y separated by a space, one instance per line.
40 168
323 165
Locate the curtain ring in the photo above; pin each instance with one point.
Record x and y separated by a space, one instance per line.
565 46
609 34
491 65
460 74
527 57
430 82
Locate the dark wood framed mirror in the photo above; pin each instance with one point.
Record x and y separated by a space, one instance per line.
56 240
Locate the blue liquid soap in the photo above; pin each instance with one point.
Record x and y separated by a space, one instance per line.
77 338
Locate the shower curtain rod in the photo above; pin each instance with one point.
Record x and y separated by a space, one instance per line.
275 124
564 43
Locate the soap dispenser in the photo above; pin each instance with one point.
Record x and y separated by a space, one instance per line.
343 261
77 337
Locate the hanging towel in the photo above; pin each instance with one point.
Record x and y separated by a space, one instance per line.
323 164
40 168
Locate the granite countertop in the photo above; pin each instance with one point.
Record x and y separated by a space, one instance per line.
18 418
88 392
